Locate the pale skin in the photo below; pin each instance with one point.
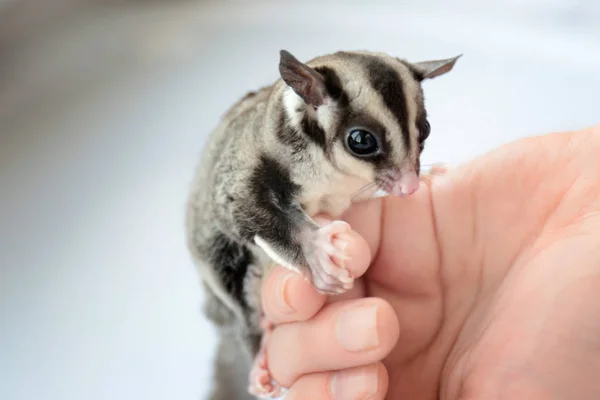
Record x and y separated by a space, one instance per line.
484 284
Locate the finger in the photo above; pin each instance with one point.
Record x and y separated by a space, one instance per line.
342 335
287 296
407 256
366 382
366 218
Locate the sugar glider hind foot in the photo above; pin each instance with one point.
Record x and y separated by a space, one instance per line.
261 382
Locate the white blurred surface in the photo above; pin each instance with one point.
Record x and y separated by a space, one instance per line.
102 116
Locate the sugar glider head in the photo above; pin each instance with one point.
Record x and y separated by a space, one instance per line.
364 110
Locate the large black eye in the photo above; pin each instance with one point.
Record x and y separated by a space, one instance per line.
424 132
362 142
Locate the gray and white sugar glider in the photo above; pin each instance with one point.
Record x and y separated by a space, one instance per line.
329 132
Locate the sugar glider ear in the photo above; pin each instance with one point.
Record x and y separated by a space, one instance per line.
305 81
435 68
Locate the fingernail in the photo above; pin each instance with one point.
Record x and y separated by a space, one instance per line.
357 329
341 241
282 294
354 384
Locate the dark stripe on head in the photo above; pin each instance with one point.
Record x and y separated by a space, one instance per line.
418 75
311 128
333 84
386 80
336 91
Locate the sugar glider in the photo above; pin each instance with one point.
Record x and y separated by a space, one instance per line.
327 133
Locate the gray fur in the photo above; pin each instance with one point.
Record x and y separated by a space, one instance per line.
231 374
263 176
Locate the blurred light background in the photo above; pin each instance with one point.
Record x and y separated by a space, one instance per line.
104 107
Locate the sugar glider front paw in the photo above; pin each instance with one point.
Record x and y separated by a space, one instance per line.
326 254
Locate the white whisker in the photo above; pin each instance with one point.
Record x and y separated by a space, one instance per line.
363 189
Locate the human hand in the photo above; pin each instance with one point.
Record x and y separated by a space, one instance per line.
482 285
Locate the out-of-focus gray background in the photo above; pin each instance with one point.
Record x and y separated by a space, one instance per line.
104 106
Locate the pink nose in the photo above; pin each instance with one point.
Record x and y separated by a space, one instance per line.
406 185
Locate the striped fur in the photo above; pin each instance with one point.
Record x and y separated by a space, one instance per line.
279 156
